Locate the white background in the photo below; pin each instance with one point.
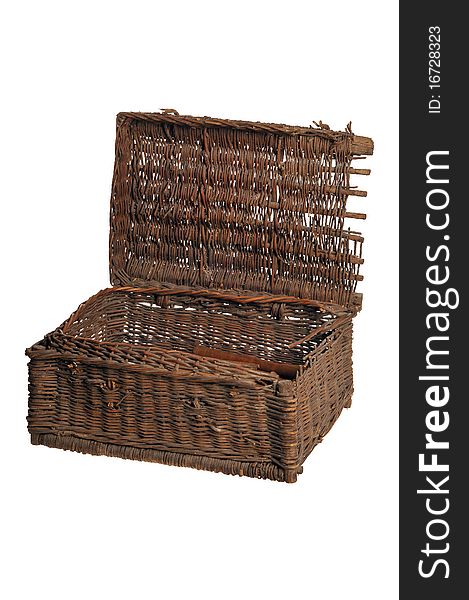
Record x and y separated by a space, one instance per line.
77 526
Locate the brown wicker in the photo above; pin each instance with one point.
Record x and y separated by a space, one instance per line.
225 341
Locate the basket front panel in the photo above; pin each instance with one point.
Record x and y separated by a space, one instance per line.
140 410
222 207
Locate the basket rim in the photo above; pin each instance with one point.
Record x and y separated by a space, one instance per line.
82 346
360 144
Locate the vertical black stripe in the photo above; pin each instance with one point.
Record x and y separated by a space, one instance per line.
421 132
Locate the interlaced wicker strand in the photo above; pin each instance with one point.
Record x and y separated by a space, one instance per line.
225 341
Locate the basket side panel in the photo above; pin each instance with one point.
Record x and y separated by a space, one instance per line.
324 389
91 407
43 390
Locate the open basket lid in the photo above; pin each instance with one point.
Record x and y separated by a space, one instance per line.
235 205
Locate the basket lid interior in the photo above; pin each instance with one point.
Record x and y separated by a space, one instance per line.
235 205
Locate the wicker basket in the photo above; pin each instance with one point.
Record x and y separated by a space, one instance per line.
225 342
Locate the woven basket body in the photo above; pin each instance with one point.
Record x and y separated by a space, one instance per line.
225 341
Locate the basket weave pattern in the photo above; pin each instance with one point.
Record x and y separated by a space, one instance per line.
225 343
233 209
